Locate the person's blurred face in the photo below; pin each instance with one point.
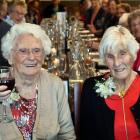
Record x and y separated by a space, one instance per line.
18 14
105 4
135 28
119 62
95 3
86 4
27 55
113 7
3 10
36 4
120 11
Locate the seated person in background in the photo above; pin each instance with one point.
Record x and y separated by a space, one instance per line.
3 9
123 11
111 18
113 6
51 9
110 103
4 28
123 8
105 4
86 11
134 27
134 24
40 96
34 12
16 15
103 18
16 12
97 18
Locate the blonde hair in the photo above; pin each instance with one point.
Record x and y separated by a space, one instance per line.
123 20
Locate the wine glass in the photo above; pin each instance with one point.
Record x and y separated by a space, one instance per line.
6 78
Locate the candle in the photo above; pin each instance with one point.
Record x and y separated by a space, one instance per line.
53 51
56 62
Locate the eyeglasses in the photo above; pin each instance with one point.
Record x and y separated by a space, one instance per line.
26 52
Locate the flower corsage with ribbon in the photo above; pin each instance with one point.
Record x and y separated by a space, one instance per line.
105 87
14 96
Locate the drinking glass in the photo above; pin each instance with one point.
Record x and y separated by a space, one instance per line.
6 78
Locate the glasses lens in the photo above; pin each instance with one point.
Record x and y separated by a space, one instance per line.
25 51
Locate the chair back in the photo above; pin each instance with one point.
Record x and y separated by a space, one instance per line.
77 98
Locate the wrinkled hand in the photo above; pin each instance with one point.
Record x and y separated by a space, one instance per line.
4 94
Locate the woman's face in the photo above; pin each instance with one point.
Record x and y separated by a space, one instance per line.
113 7
27 55
119 62
3 10
135 28
18 14
105 4
94 3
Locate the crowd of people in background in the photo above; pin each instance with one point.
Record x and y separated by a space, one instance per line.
102 14
97 15
90 11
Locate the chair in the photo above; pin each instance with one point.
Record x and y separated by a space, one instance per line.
76 106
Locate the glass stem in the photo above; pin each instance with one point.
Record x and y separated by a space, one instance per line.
4 112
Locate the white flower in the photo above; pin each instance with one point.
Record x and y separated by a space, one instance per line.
13 97
106 88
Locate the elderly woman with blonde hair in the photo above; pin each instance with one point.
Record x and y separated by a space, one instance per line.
41 96
110 103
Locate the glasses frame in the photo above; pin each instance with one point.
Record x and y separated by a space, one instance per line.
27 51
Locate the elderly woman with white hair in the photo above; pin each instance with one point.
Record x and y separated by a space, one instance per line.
41 96
110 103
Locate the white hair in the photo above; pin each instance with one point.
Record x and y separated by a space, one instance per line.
123 20
8 40
117 35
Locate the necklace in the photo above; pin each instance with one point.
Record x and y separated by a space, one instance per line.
27 106
24 110
122 93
